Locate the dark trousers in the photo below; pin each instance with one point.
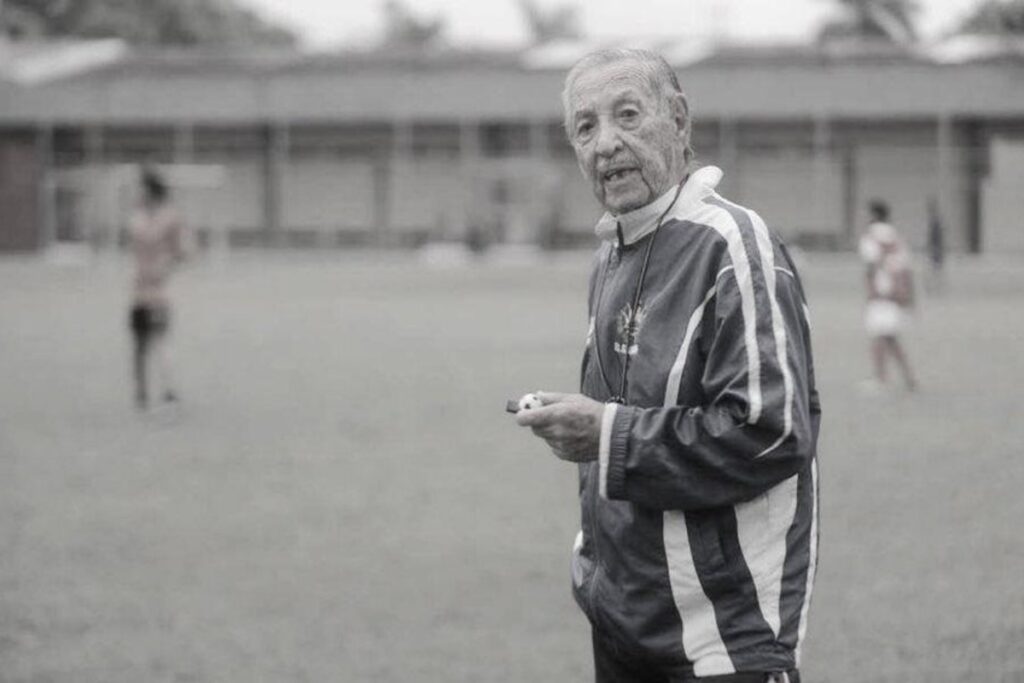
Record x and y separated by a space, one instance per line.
148 323
613 665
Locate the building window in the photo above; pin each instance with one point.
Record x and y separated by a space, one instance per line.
353 140
504 139
435 140
139 145
222 143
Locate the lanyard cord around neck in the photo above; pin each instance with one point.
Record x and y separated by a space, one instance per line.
638 292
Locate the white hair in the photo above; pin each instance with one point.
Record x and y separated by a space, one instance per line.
650 67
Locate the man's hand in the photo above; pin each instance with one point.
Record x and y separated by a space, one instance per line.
570 423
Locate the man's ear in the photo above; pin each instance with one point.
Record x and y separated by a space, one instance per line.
680 113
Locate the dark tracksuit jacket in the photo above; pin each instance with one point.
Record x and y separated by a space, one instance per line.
699 519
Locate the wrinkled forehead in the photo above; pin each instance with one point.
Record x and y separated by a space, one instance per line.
610 81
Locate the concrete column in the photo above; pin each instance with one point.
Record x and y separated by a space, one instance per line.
47 231
275 157
821 143
977 166
401 140
400 153
469 140
469 160
547 202
184 143
944 174
538 133
95 224
94 138
19 191
850 184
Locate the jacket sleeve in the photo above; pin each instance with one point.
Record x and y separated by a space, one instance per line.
758 423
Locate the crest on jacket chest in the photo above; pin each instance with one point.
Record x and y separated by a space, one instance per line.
627 328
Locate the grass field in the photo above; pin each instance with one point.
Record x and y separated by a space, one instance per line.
343 499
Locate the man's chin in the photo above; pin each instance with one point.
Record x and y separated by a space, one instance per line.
624 203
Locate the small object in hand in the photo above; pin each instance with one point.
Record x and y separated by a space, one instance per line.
527 402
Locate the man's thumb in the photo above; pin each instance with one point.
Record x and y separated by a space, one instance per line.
549 397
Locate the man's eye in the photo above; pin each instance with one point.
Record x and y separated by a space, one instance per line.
629 114
584 129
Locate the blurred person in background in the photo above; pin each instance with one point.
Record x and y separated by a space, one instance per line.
936 249
159 243
696 429
890 295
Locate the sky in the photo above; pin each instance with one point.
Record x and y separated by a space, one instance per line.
353 23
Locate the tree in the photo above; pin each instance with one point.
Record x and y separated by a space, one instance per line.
404 30
555 24
153 22
885 20
996 17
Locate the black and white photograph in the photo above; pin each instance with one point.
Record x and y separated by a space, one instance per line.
511 341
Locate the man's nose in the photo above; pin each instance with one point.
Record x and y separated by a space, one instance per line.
608 141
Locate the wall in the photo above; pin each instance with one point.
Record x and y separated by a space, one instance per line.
404 183
19 193
1002 217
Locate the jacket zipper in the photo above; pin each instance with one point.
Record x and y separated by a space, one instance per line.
593 483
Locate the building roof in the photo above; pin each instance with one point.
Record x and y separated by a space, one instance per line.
34 62
101 82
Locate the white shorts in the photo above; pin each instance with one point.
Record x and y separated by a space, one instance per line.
883 318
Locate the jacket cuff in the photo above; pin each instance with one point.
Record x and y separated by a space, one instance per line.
614 447
604 447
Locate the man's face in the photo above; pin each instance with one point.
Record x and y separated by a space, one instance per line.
629 144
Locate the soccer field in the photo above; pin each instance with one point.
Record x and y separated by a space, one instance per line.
342 497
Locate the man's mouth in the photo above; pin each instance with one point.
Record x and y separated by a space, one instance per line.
616 174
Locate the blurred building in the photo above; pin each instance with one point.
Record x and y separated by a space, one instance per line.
283 148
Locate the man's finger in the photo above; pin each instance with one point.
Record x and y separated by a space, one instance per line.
535 417
549 397
546 433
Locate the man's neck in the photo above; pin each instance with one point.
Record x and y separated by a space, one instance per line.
631 226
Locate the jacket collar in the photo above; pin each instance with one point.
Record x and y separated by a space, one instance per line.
640 222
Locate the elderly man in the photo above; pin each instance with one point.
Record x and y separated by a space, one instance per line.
695 431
